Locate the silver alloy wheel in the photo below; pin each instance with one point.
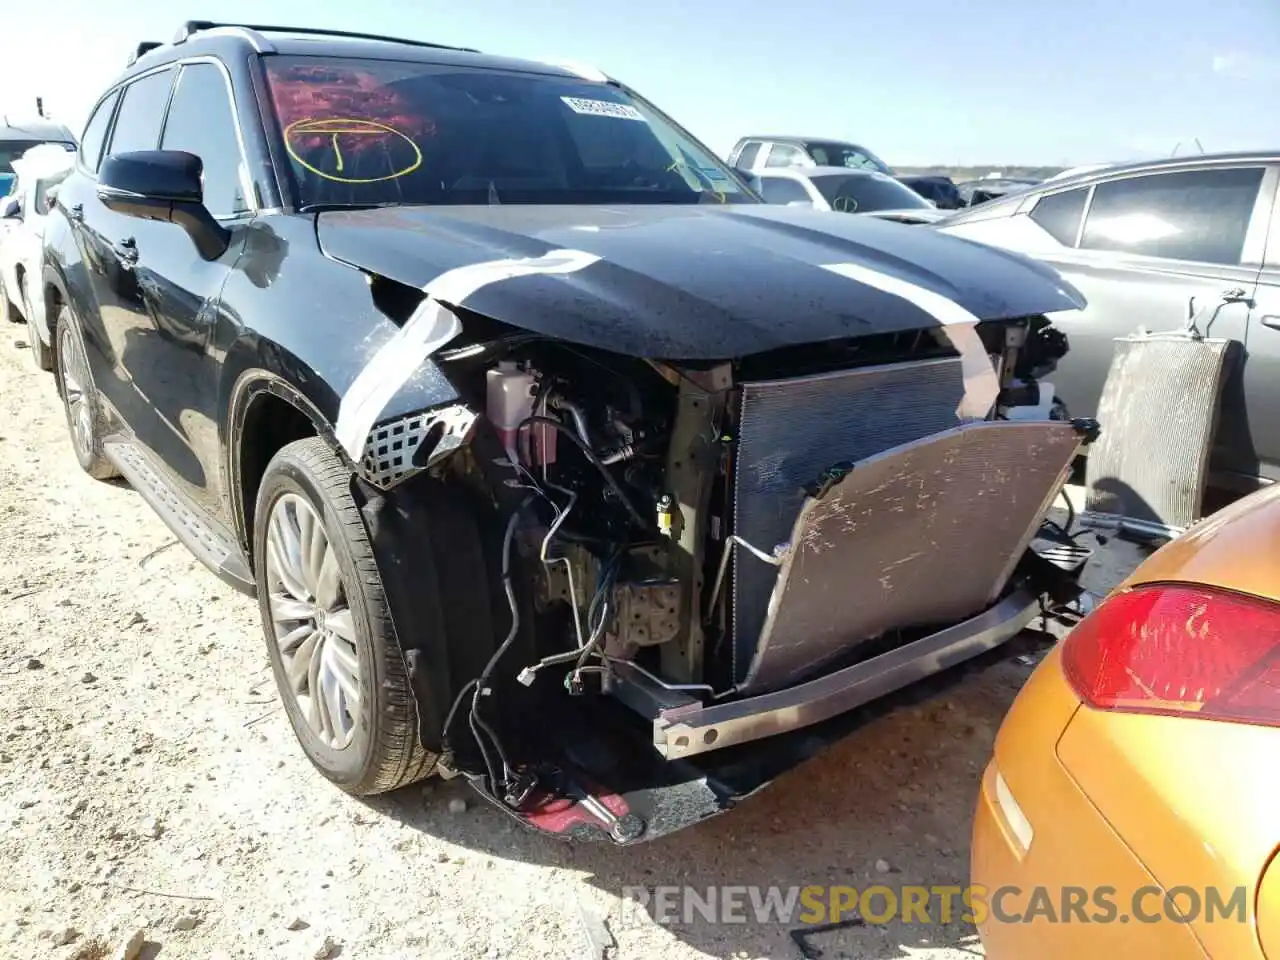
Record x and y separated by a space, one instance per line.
312 620
75 377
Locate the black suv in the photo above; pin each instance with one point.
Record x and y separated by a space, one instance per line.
553 456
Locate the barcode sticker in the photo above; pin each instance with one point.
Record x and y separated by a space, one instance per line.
603 108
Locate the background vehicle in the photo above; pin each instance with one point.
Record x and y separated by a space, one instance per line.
974 192
846 191
756 154
16 138
23 214
763 152
472 371
1130 761
940 190
1147 244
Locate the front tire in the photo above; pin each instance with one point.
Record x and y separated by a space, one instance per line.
80 399
330 638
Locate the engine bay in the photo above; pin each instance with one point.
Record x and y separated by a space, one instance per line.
624 487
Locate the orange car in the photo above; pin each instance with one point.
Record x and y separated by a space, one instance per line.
1132 805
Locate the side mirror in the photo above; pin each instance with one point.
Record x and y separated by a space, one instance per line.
163 185
10 209
752 180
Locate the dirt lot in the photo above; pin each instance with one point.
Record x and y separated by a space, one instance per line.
150 784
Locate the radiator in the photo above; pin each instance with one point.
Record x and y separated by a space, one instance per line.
791 431
1159 413
924 534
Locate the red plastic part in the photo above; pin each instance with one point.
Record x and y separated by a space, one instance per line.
1179 649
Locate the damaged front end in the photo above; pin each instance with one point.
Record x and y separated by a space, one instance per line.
655 586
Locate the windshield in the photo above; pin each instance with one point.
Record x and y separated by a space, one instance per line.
368 132
845 155
860 193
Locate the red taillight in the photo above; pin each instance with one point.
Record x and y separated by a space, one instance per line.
1179 649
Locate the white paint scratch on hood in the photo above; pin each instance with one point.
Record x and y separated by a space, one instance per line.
431 326
981 385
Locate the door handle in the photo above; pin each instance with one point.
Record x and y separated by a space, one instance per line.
1271 320
1235 295
127 250
76 212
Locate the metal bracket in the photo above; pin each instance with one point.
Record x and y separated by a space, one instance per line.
690 467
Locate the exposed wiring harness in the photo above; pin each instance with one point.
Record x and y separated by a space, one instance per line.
499 772
597 619
594 460
479 687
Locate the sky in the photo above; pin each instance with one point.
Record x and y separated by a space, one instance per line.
926 82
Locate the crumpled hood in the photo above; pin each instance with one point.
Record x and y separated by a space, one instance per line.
699 282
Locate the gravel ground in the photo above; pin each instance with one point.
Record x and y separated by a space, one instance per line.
151 789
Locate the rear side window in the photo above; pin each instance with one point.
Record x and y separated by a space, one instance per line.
747 158
785 155
201 122
1059 214
141 114
95 132
1200 215
782 190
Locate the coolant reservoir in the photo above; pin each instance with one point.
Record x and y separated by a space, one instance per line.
509 393
508 401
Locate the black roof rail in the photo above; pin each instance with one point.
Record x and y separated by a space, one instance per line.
142 49
195 26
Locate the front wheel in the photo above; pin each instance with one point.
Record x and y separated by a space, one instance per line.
328 627
80 400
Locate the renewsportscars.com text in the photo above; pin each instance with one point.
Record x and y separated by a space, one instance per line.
880 904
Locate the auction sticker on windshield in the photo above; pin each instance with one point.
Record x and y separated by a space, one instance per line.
603 108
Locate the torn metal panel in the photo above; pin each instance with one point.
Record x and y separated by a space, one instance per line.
432 325
398 449
927 533
1159 413
791 431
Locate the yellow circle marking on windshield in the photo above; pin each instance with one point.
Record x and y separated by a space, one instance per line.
341 127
